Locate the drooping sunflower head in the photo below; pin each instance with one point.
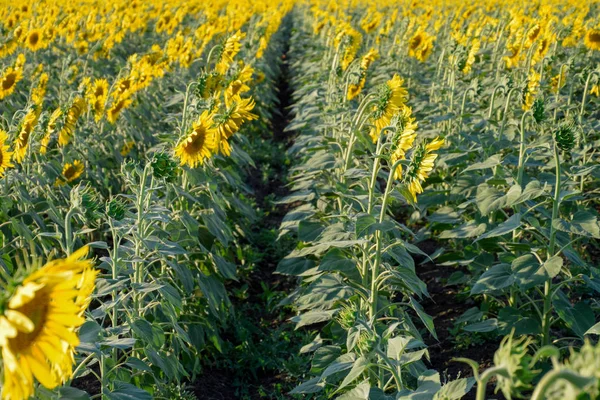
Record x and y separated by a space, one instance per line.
5 153
421 165
72 171
38 324
199 144
592 39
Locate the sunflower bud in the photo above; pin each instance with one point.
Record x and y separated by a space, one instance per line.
347 317
539 110
115 209
513 355
564 135
164 166
367 342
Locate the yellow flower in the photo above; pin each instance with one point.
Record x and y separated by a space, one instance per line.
421 165
531 90
9 80
73 114
5 154
33 40
475 46
595 90
51 128
126 148
420 45
199 144
27 125
392 97
73 171
38 326
562 78
118 105
38 93
368 59
238 111
230 49
96 97
592 39
404 139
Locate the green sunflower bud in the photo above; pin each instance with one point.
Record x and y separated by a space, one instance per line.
514 356
115 209
164 166
539 110
564 135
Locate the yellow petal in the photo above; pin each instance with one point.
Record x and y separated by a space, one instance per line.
19 321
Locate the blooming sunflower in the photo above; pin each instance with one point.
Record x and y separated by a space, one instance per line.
96 97
27 125
38 93
33 39
238 111
199 144
75 111
420 46
70 172
238 85
118 105
9 80
50 129
531 90
592 39
38 324
404 139
392 97
5 154
229 50
421 165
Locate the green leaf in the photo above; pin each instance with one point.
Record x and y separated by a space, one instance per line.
510 318
126 391
311 386
489 199
506 227
312 317
489 163
470 229
528 271
594 330
342 363
455 390
579 318
583 223
497 277
357 369
71 393
361 392
309 231
294 266
337 260
553 266
425 318
488 325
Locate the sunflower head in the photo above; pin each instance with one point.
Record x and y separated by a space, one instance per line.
564 135
592 39
164 167
199 144
38 323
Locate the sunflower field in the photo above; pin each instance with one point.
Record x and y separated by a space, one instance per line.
299 199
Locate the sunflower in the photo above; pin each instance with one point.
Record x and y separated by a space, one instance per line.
9 80
70 172
592 39
33 39
75 111
50 129
475 46
420 46
421 165
118 105
562 78
531 90
595 90
392 97
38 324
367 59
404 139
238 112
239 85
229 50
96 97
199 144
38 93
27 125
127 147
5 154
354 88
